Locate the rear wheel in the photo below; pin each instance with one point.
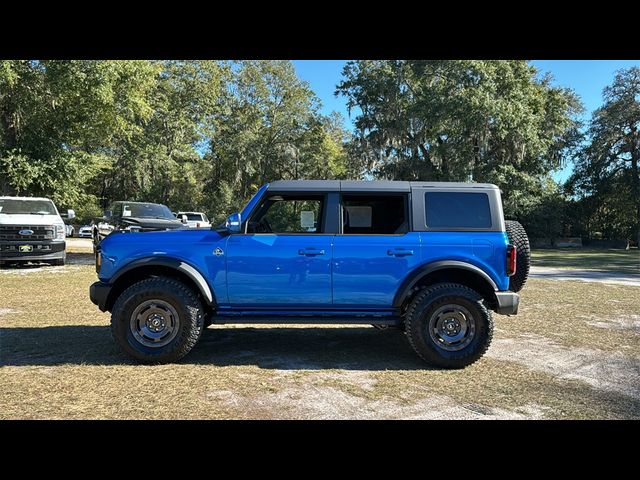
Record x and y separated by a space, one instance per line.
157 320
519 239
448 325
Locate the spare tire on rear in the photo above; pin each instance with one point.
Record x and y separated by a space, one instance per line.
518 238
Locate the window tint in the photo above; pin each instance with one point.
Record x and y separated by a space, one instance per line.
288 215
368 214
457 210
146 210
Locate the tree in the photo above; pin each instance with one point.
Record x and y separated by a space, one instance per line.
59 120
269 129
161 159
492 121
199 135
607 167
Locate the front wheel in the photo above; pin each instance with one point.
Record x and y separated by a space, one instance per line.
157 320
448 325
59 262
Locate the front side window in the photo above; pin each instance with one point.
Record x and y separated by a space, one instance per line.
288 214
457 210
374 214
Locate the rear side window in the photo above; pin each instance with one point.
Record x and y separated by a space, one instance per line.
457 210
374 215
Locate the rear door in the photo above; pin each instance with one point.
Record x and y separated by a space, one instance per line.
375 250
284 259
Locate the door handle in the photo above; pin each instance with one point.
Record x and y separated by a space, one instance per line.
310 252
400 252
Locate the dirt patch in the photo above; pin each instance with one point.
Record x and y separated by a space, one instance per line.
6 311
625 322
602 370
323 402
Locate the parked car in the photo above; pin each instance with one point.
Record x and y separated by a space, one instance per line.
85 231
194 219
69 230
133 217
433 259
31 229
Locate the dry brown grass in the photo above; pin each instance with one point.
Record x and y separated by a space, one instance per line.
59 361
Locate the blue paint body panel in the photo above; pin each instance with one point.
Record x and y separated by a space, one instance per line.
306 272
368 269
270 269
485 250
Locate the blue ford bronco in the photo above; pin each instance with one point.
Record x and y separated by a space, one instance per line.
430 258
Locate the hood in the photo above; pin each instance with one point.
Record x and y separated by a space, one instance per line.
175 240
27 219
160 223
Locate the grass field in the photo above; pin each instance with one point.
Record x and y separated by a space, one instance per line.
572 352
627 261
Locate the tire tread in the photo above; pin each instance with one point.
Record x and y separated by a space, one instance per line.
412 326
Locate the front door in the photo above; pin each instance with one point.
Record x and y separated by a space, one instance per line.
284 259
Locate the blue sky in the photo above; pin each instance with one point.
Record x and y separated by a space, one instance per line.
586 77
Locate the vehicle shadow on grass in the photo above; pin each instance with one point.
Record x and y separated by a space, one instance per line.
271 348
80 258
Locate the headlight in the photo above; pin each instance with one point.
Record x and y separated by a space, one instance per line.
133 228
59 232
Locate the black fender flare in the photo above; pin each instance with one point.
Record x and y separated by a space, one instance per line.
424 270
174 264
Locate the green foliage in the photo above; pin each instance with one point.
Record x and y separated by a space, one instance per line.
485 121
606 179
269 129
199 135
204 135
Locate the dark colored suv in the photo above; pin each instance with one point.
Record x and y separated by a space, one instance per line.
135 217
433 259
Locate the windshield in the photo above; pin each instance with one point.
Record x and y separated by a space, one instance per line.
29 207
146 210
195 217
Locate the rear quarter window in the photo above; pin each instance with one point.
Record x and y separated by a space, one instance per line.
457 210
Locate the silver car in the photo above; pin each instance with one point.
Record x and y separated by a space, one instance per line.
86 231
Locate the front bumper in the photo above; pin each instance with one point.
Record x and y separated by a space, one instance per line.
507 303
99 294
41 250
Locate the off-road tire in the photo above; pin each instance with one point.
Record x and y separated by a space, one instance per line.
59 262
519 239
185 302
426 303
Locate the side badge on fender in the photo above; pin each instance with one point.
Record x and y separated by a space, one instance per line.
218 251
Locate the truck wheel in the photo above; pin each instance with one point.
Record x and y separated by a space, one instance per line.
448 325
519 239
59 261
157 320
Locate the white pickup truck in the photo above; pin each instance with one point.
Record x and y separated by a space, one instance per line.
194 219
31 229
